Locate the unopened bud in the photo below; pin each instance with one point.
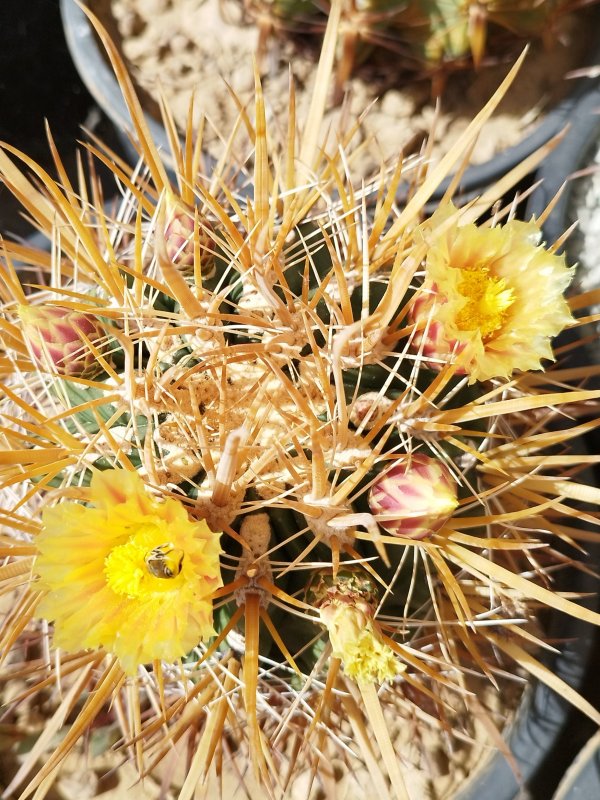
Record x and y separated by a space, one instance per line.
180 236
58 339
414 498
430 338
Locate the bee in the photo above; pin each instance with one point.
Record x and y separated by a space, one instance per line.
164 561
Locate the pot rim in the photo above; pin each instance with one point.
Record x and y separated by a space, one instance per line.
582 779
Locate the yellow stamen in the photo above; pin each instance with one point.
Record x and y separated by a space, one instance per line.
488 299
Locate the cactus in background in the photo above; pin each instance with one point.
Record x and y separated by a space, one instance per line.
271 498
440 31
426 36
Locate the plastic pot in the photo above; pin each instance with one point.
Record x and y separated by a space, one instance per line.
98 76
582 780
573 153
543 715
542 721
559 170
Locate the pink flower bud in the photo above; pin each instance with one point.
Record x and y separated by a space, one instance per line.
179 239
430 338
57 339
414 498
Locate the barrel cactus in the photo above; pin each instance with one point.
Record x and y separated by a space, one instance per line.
310 495
422 36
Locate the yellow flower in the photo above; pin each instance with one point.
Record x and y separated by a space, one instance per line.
492 297
357 641
127 573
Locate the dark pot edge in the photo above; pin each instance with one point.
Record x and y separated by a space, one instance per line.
582 779
557 172
564 161
543 714
100 80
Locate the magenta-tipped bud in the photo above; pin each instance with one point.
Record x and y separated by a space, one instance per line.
179 239
58 339
414 498
430 338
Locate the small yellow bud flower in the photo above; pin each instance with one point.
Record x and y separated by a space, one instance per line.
346 603
357 641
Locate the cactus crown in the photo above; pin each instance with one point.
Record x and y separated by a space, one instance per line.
302 467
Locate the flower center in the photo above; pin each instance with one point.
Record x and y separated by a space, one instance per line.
135 569
488 299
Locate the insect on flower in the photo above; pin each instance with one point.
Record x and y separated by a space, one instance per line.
164 561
